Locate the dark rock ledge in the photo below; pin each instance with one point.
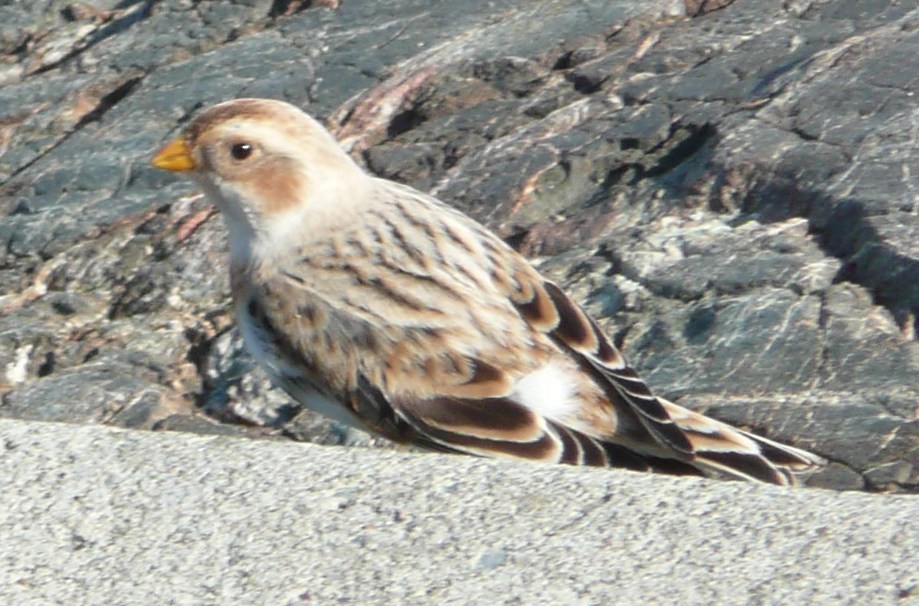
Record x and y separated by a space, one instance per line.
730 187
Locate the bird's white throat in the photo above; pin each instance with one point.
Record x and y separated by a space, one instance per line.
259 237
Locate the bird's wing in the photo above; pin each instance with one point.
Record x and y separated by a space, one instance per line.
413 389
482 416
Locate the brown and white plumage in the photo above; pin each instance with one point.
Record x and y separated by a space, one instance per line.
380 306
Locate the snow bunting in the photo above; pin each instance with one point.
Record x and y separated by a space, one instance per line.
382 307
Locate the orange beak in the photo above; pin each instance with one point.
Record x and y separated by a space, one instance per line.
175 156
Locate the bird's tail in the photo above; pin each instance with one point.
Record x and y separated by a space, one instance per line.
720 448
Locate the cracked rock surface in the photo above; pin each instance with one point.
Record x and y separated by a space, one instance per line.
730 188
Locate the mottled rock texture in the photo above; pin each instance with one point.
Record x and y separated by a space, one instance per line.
730 187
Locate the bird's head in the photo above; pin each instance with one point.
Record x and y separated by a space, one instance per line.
267 165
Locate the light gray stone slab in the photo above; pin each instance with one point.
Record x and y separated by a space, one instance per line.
95 515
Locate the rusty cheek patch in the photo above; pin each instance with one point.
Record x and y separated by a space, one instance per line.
276 186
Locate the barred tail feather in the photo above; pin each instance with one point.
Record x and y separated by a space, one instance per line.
720 448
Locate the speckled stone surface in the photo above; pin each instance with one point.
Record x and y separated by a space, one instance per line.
95 515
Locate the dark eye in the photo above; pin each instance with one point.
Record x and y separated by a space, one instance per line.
241 151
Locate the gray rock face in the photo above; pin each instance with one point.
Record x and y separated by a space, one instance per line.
729 187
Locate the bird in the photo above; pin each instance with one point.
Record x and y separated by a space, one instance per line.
386 309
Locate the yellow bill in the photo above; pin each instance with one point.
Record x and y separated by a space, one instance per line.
174 156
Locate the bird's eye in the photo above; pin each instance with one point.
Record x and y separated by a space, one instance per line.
241 151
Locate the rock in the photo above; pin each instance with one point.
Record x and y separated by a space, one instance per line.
727 186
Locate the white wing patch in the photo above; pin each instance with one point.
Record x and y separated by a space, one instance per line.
548 392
